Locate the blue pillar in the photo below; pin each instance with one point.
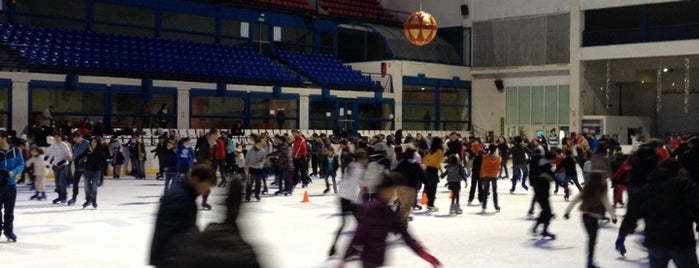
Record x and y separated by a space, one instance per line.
644 30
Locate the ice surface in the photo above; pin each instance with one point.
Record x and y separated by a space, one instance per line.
288 233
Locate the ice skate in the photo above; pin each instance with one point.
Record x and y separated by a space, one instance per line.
546 234
11 237
71 202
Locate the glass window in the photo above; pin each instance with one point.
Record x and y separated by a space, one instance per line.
418 116
525 105
74 9
128 109
511 104
4 107
453 96
218 106
419 94
374 111
3 121
454 113
467 47
319 109
538 105
564 107
551 105
4 99
68 101
273 113
230 28
69 105
189 23
118 14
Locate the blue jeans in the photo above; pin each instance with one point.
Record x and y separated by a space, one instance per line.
92 179
61 179
140 169
683 258
171 178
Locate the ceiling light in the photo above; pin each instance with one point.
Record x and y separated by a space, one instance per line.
665 70
673 84
422 88
643 82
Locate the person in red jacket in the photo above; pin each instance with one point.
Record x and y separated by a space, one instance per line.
217 157
300 150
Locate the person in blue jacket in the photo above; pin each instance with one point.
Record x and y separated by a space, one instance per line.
170 164
11 165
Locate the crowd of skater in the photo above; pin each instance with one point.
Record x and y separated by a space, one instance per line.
659 179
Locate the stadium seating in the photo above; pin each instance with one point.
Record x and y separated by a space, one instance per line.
328 71
90 51
358 9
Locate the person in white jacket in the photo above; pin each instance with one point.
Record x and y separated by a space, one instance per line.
39 169
349 191
59 156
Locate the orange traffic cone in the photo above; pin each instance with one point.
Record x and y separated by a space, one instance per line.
305 197
423 200
451 195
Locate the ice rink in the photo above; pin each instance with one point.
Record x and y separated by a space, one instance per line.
288 233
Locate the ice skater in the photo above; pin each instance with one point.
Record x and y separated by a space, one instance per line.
376 221
349 192
330 163
490 167
95 158
594 205
11 166
39 169
541 179
455 173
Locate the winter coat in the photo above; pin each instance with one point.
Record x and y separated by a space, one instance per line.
170 161
376 220
117 158
666 205
300 148
350 183
454 148
185 155
95 159
39 165
519 154
281 152
412 173
255 158
455 173
335 163
11 160
219 246
490 167
217 151
504 151
176 217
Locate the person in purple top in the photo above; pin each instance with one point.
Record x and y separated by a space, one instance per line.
376 220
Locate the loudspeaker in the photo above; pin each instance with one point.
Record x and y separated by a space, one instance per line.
464 10
499 84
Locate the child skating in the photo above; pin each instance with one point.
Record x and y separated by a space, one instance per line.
455 173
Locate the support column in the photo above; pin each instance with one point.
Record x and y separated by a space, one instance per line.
183 108
20 105
576 69
304 103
